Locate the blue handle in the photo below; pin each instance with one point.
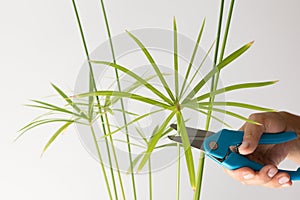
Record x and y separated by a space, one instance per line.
231 160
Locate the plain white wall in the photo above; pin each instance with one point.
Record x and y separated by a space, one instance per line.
40 44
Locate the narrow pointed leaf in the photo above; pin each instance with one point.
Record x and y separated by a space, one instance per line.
154 65
187 149
235 87
216 69
238 104
154 140
56 134
192 58
125 95
175 58
138 78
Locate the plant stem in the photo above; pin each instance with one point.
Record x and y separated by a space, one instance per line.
211 98
122 103
115 157
101 161
224 41
150 179
178 174
92 87
199 176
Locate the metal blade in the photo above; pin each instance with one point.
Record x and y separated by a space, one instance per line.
194 141
192 132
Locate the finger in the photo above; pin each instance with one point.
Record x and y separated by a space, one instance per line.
241 174
252 134
280 180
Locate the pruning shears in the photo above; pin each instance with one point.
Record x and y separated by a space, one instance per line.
222 147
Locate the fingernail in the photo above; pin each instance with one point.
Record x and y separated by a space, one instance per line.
283 180
248 176
272 172
245 145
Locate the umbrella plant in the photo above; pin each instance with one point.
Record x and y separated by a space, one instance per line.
96 106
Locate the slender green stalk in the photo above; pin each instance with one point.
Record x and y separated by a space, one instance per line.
101 161
150 179
215 59
178 174
122 103
92 87
115 156
199 176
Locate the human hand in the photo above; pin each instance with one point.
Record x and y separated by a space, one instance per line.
268 155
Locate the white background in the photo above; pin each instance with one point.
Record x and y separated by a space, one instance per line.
40 43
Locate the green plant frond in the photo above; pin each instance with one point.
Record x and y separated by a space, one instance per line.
235 87
192 58
187 148
198 68
126 95
175 59
230 114
167 145
69 101
133 121
141 134
127 112
131 143
56 134
135 162
51 107
134 86
138 78
154 65
216 69
238 104
154 140
206 114
37 123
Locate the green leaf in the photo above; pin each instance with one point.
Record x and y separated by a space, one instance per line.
133 121
134 162
175 58
238 104
193 58
69 101
216 69
235 87
187 148
56 134
198 69
125 95
51 107
154 65
138 78
231 114
154 140
36 123
193 107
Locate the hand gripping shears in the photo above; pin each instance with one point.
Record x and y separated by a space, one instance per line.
222 147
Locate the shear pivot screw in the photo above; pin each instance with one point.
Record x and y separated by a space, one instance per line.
213 145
